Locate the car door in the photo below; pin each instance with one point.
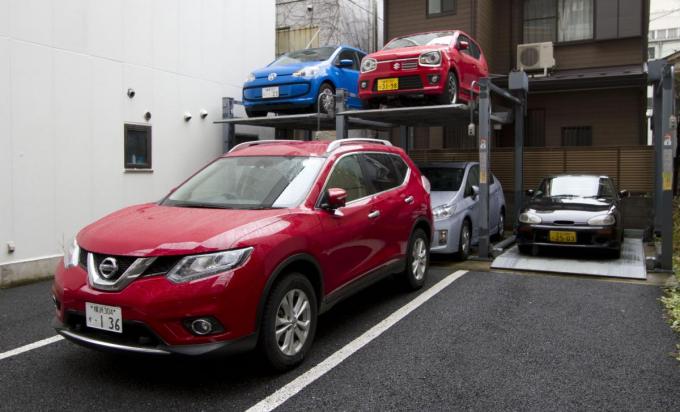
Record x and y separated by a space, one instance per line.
470 200
348 77
349 241
467 65
393 207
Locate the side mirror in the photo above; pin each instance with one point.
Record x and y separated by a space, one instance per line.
530 192
624 194
475 191
335 198
463 45
346 63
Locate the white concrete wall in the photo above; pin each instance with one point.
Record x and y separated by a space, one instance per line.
65 67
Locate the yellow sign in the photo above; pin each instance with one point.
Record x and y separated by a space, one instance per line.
667 181
482 176
388 84
562 237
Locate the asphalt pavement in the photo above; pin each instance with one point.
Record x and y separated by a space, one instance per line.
487 341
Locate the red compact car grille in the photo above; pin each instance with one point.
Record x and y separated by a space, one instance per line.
405 83
410 65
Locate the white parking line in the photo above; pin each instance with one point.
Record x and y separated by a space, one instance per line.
286 392
30 346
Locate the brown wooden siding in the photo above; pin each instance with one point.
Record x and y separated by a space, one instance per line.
615 115
631 167
599 54
410 16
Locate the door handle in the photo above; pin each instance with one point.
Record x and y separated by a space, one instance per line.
409 200
374 214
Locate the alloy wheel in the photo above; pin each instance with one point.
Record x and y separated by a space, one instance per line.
293 320
453 90
465 238
419 259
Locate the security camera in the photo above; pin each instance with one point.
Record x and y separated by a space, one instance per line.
187 116
204 114
310 7
131 93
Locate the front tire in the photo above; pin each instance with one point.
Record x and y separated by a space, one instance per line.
417 260
465 240
289 322
450 95
501 226
327 102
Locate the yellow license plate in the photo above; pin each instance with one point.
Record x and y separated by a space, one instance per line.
388 84
562 237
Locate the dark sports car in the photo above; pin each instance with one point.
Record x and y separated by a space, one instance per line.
578 211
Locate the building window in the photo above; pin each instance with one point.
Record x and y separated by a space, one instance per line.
137 146
672 33
577 136
558 20
437 8
651 52
535 131
661 34
652 34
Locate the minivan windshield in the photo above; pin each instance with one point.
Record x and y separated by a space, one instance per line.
444 179
249 182
576 186
302 56
423 39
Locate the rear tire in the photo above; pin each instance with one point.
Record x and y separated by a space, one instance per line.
255 113
450 95
284 338
464 241
417 260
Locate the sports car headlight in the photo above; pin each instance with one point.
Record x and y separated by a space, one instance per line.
531 218
251 77
368 65
602 220
443 212
200 266
433 58
71 255
309 71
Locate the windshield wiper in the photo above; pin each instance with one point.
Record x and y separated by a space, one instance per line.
199 205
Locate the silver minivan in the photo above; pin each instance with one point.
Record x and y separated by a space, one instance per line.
455 206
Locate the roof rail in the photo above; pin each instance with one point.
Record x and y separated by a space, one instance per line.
337 143
258 142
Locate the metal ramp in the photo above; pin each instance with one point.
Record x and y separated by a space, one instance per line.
631 265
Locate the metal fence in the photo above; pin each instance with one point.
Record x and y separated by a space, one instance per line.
631 167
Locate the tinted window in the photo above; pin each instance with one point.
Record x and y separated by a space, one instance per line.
576 186
400 166
472 180
444 179
380 172
249 182
349 55
467 51
302 56
347 175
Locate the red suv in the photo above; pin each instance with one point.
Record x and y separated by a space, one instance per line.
247 251
442 65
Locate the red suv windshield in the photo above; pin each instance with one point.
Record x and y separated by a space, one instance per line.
249 182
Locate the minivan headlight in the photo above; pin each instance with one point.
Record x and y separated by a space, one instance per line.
433 58
369 64
602 220
530 218
443 212
200 266
71 255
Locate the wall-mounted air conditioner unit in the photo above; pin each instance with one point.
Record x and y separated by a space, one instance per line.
535 56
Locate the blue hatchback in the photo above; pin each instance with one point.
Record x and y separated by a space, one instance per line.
295 80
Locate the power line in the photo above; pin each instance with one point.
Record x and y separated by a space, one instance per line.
365 9
667 13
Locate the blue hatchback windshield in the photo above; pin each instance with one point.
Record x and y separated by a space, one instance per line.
303 56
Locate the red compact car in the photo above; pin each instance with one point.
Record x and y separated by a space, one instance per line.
247 251
441 65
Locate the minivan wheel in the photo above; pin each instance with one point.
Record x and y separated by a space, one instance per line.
465 241
417 260
289 322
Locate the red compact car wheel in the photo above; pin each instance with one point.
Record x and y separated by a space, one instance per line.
450 96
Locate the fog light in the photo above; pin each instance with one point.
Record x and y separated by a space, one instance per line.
364 84
203 326
434 78
443 236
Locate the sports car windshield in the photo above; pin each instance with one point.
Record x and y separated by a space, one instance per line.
576 186
444 179
249 182
303 56
423 39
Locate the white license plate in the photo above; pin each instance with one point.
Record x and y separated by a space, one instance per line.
104 317
270 92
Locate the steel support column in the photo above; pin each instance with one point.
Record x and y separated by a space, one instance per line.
484 144
669 135
403 137
228 130
341 125
519 85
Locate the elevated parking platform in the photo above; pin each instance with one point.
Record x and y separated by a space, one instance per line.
440 115
306 121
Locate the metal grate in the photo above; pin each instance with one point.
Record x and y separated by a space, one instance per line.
162 265
410 82
410 65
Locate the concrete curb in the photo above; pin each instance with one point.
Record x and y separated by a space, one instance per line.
21 273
